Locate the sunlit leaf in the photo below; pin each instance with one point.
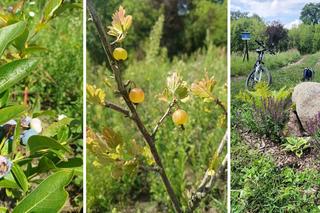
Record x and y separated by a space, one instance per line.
120 24
204 87
95 95
49 196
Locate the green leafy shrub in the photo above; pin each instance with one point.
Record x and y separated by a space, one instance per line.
35 146
297 145
268 110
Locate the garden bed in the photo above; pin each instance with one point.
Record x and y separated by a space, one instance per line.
309 160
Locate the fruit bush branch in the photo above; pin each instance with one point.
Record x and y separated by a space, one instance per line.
134 115
117 108
166 114
209 179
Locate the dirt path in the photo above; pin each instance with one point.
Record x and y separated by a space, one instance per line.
310 160
300 61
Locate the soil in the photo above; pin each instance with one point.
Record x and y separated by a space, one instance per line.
309 160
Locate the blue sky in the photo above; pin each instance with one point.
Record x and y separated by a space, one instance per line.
285 11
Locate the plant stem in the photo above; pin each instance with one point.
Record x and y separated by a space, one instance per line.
155 130
206 185
219 103
117 108
134 115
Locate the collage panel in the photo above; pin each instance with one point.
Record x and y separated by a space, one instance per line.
41 74
156 106
275 106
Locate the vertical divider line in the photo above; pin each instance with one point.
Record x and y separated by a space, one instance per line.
84 45
229 106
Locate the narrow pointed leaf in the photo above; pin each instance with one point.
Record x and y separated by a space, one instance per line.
49 196
39 142
10 112
13 72
9 34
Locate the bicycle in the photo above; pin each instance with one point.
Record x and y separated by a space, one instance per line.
259 73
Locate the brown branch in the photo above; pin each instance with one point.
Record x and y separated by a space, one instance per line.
209 180
148 138
220 104
117 108
167 113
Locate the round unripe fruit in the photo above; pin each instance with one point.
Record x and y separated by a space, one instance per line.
180 117
136 95
120 54
36 124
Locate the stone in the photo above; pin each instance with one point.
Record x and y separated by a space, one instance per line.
293 127
306 97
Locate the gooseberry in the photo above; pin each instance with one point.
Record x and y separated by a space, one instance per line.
180 117
136 95
120 54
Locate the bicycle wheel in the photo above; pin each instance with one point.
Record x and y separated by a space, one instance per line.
261 75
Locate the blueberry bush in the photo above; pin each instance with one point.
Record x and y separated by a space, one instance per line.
40 150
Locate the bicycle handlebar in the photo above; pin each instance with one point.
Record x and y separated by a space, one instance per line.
260 43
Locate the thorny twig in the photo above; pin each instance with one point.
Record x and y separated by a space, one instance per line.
167 113
117 108
206 185
134 115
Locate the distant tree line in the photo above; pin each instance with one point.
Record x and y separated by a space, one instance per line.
204 20
305 37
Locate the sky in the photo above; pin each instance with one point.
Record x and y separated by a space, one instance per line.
285 11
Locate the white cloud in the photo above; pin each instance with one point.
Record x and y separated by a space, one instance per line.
293 24
272 8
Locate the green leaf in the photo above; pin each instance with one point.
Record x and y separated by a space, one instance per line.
65 6
20 177
4 97
20 42
10 112
5 183
71 163
3 210
38 142
50 8
16 137
49 196
13 72
54 128
9 34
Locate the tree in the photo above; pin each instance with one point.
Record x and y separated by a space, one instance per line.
277 35
253 25
235 15
310 13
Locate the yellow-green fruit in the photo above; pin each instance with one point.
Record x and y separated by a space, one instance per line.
136 95
180 117
120 54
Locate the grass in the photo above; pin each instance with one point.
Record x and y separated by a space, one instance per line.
185 153
242 68
288 76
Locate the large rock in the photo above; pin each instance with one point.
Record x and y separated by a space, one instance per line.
306 96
